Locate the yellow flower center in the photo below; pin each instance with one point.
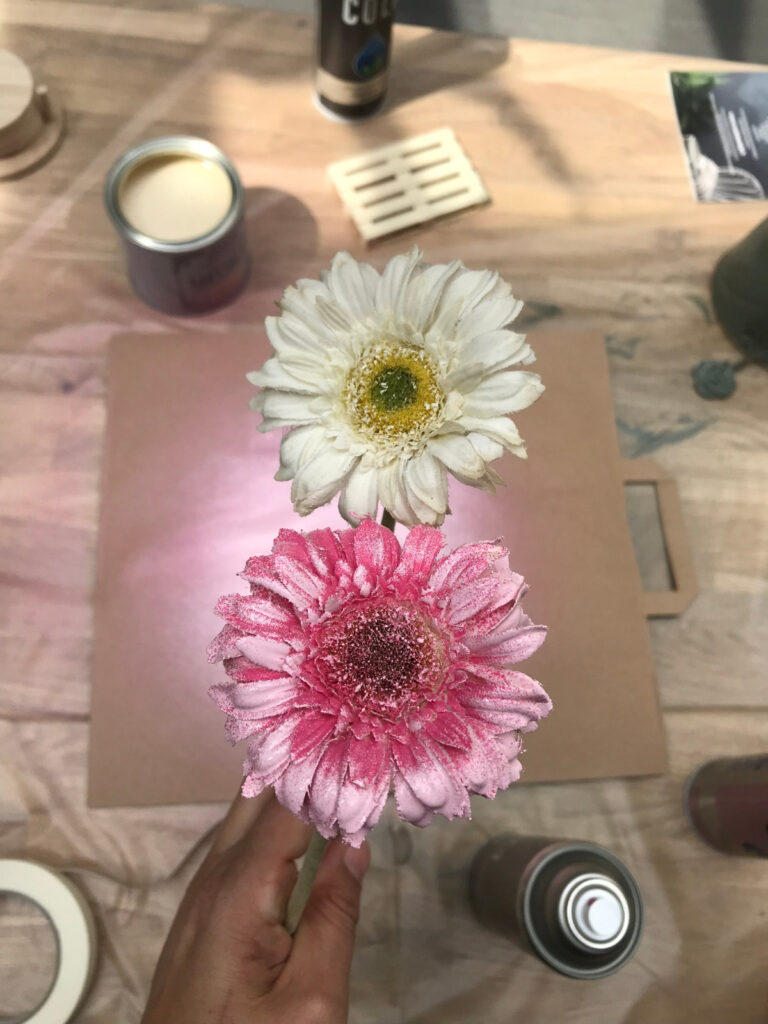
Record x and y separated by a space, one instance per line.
393 394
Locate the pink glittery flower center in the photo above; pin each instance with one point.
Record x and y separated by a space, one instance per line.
383 658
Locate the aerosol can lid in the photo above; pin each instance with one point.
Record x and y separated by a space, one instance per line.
593 912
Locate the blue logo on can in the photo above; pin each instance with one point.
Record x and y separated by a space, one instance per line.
371 59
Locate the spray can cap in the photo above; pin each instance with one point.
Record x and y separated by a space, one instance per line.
593 912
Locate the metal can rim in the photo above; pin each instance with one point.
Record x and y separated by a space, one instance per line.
171 144
636 929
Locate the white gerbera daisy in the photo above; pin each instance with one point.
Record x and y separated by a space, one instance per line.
391 381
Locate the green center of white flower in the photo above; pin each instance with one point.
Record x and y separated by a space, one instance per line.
394 388
392 395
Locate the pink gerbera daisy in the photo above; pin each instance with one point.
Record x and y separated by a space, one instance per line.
358 665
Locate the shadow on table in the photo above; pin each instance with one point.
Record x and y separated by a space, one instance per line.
282 234
441 61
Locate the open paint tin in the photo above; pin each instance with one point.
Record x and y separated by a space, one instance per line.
177 204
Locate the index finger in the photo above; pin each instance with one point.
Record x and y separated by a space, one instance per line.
264 863
242 815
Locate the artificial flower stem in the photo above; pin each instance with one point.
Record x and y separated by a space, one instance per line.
304 882
387 521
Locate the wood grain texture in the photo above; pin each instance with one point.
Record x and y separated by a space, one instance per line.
592 221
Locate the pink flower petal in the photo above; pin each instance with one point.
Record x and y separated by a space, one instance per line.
420 549
464 565
377 549
364 580
263 650
326 787
508 700
511 743
509 647
312 729
324 550
293 544
224 644
270 753
509 592
409 807
367 758
428 781
449 730
262 699
381 792
293 786
238 729
252 785
256 613
485 765
244 671
468 601
287 577
360 807
347 542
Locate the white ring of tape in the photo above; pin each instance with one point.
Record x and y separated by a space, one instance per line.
73 924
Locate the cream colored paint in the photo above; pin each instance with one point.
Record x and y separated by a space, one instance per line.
175 198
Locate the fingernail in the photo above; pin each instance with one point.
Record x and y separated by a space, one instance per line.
356 861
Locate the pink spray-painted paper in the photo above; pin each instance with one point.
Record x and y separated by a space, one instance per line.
188 497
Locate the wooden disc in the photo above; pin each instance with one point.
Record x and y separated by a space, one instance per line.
20 120
31 118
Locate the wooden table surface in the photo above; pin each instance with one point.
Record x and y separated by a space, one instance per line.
593 223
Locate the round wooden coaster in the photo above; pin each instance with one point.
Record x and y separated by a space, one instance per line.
31 119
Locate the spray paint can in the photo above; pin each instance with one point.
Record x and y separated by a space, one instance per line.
353 45
726 802
573 904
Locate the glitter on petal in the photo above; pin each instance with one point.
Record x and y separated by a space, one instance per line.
357 666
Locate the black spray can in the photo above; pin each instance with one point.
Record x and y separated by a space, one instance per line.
352 56
573 904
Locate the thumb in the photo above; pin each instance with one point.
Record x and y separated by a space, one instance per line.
324 942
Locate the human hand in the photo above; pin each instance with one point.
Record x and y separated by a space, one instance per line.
229 960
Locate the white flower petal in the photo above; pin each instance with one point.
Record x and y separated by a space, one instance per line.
292 338
422 512
496 350
457 453
424 290
488 316
505 392
393 494
461 293
300 299
425 478
299 445
488 449
286 406
353 285
360 496
300 317
498 428
319 479
275 374
334 315
391 290
309 351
